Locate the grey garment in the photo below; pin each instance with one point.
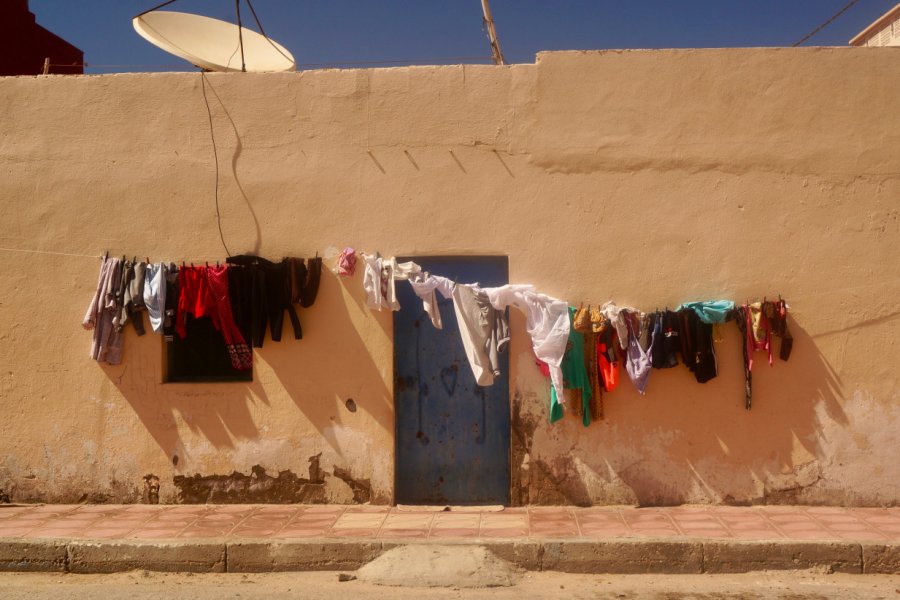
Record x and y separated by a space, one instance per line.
135 292
100 317
637 360
155 295
134 297
484 331
123 314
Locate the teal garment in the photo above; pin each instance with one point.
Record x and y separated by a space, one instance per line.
710 311
575 375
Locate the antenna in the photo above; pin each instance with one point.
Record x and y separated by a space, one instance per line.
210 43
492 34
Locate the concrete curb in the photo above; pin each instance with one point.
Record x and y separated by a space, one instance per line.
117 556
33 555
612 556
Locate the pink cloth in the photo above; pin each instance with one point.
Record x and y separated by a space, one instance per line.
100 317
347 262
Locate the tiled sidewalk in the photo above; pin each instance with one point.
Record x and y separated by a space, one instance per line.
285 522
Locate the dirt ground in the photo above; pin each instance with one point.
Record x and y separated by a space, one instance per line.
141 585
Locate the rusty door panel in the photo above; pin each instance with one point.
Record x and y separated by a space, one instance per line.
452 435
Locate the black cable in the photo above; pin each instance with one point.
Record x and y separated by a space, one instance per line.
826 23
237 7
263 32
156 7
212 135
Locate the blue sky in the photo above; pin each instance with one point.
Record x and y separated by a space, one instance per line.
353 32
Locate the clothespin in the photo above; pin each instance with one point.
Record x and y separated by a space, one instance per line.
106 256
182 264
207 264
148 259
217 264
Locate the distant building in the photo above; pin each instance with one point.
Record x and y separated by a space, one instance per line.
24 44
885 31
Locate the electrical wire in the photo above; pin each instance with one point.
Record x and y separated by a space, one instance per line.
826 23
212 135
263 32
434 60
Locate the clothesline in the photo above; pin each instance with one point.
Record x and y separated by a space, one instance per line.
580 348
816 294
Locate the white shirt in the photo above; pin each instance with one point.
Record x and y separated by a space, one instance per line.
547 322
424 285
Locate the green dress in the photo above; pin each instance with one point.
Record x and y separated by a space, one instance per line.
575 375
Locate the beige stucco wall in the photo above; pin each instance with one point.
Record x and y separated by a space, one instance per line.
648 177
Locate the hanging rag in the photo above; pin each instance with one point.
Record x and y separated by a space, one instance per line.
424 285
106 343
710 311
483 329
637 360
546 321
575 375
347 262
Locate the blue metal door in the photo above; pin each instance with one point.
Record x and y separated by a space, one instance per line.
452 435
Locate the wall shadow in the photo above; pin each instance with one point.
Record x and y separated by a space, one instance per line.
333 363
220 412
686 441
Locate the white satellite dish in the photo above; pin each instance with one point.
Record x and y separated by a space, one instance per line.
213 44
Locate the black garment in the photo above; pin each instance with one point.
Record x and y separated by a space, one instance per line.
169 321
778 321
262 290
246 289
666 345
739 315
697 346
304 280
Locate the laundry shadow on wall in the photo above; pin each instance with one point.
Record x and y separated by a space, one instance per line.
723 453
219 412
331 374
688 442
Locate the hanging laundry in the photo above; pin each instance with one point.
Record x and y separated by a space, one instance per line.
637 360
155 295
698 352
778 321
424 285
575 375
607 358
303 280
194 297
347 262
121 318
134 297
741 318
265 290
546 321
759 331
106 343
616 316
378 282
239 352
170 317
710 311
584 322
483 329
666 339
